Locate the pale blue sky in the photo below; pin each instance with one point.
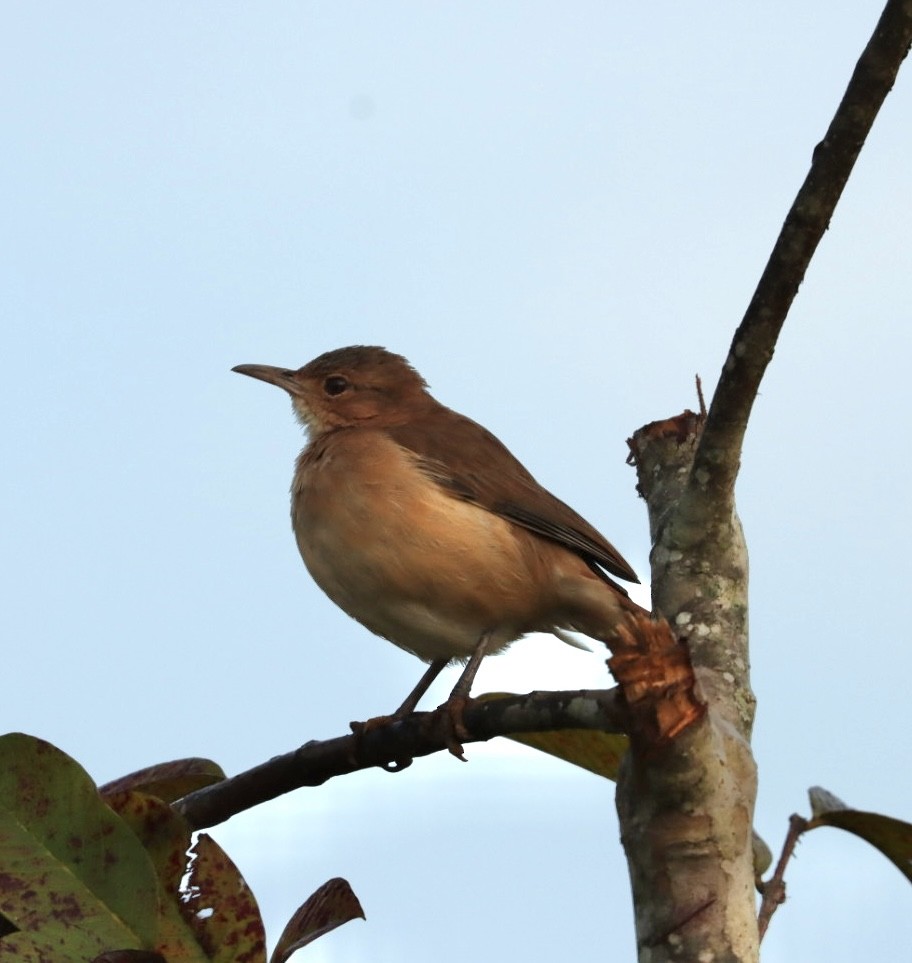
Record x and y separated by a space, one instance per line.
558 213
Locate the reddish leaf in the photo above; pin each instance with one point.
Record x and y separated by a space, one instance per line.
168 780
221 909
330 906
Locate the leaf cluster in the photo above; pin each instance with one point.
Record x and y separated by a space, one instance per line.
115 875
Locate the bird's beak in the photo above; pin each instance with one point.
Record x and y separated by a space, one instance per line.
280 377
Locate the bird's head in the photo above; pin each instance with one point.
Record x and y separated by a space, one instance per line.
348 387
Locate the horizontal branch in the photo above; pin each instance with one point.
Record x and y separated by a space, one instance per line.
392 745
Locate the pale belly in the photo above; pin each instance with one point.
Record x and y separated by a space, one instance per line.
425 570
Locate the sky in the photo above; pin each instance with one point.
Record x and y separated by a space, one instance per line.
558 213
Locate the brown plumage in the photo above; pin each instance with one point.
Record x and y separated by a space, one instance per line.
421 525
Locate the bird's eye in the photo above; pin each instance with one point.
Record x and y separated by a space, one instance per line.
336 384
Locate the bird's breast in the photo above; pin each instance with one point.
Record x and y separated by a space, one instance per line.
410 561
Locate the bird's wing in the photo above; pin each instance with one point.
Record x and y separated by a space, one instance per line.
472 464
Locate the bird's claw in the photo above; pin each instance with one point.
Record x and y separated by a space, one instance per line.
449 723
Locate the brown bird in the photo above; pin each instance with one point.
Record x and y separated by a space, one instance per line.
420 524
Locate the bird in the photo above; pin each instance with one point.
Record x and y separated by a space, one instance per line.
421 525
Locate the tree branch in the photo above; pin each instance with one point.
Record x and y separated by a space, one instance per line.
718 456
774 887
394 745
686 816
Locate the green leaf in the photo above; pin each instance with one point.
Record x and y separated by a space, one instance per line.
131 956
167 839
599 752
892 837
75 880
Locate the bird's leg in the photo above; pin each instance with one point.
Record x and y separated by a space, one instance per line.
453 708
407 708
424 683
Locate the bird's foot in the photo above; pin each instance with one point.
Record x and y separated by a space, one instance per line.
448 722
377 722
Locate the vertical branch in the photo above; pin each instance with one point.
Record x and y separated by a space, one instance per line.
686 813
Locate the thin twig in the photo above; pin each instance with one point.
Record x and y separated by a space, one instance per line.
774 887
702 400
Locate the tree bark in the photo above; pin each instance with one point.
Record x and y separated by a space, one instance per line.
686 808
686 812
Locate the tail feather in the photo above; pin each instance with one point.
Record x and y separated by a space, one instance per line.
571 640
